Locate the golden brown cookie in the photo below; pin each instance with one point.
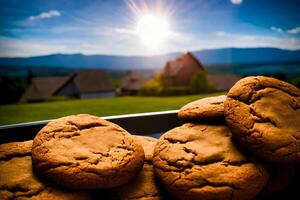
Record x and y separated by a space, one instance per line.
143 186
84 151
18 182
197 161
210 108
148 144
264 115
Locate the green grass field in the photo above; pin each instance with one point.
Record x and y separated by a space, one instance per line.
10 114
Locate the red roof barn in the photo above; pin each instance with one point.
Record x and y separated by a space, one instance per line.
180 71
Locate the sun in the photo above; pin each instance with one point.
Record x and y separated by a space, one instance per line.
153 30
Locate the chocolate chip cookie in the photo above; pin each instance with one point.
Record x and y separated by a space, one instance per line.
17 180
210 108
196 161
264 115
85 151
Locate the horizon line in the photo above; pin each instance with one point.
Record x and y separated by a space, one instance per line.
119 55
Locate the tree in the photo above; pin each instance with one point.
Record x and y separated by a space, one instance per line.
11 89
200 84
153 87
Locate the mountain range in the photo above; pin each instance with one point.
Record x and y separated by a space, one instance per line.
224 56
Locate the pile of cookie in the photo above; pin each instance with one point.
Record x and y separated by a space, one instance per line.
235 146
223 151
79 157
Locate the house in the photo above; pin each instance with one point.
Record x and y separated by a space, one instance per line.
131 83
88 84
81 84
41 88
180 71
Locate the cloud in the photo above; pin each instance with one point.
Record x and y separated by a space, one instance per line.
124 31
276 29
236 1
116 42
295 30
172 35
11 47
199 42
220 33
113 44
264 41
45 15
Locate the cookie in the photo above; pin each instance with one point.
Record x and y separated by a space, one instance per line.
196 161
143 186
210 108
148 144
17 180
86 152
264 115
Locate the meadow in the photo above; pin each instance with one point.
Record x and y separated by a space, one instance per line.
17 113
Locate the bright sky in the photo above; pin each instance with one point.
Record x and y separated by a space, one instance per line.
39 27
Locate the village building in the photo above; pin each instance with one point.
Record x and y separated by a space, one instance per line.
180 71
82 84
131 83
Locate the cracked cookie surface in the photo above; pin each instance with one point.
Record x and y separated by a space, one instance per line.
210 108
197 161
143 185
264 115
84 151
17 180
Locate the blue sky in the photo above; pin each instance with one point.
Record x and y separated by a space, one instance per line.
40 27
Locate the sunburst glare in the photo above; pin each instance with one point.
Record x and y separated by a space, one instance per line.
153 30
152 23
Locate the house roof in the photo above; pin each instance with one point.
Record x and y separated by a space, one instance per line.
173 67
88 81
133 80
43 87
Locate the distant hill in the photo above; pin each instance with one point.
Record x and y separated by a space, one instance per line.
207 57
90 61
247 55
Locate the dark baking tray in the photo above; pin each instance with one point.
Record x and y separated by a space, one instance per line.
149 124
